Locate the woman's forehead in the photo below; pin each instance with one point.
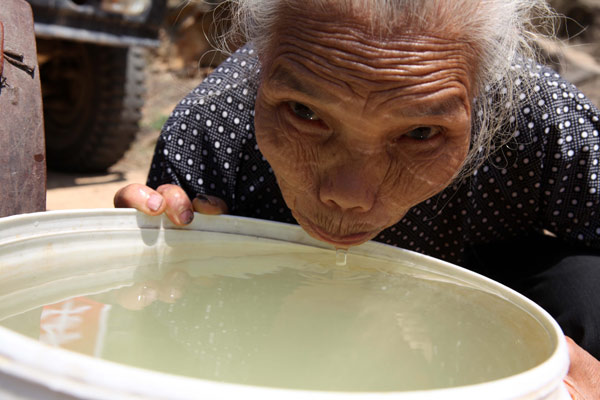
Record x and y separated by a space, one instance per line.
340 63
346 52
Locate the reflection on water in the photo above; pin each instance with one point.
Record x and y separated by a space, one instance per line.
295 319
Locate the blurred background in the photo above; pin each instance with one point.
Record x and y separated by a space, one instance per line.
170 50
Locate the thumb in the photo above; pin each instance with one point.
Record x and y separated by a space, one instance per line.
210 205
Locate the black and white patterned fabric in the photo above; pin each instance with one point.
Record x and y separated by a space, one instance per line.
546 177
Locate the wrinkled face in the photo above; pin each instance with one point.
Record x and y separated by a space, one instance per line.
358 130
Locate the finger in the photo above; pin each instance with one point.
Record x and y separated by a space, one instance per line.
172 286
178 205
572 389
584 373
140 197
211 205
138 296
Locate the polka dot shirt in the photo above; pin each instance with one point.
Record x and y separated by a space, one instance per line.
547 177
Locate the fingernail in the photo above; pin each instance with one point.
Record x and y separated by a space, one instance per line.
203 198
154 202
186 217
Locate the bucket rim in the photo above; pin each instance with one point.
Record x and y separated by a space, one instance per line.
81 375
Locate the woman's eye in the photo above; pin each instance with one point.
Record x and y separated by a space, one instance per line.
423 132
303 111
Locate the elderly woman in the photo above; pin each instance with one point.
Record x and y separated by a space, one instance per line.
424 124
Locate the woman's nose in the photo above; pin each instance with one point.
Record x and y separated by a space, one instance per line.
350 188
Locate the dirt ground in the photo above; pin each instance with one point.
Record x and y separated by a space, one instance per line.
166 86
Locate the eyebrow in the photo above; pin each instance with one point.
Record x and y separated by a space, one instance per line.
283 77
448 106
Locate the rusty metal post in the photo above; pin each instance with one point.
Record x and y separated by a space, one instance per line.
22 147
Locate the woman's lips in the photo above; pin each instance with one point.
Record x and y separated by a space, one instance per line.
339 241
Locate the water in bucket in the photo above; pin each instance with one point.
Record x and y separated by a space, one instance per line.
276 314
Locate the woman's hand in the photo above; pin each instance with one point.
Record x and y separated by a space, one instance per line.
583 379
169 199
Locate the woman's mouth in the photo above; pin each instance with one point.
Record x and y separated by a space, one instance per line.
341 241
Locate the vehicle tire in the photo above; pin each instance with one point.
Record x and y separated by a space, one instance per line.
92 97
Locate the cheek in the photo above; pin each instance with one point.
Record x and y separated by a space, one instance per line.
293 162
421 176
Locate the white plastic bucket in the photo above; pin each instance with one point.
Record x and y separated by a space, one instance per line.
33 244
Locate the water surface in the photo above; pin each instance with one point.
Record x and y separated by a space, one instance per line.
284 315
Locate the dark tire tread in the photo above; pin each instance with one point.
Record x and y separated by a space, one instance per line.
119 76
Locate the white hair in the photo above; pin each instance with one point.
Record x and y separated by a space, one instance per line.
502 34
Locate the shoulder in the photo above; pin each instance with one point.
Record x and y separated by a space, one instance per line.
225 97
549 97
211 131
548 117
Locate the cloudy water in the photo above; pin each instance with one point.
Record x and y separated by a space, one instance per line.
294 318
